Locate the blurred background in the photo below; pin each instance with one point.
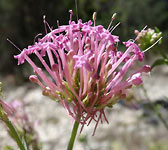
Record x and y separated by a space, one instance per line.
21 21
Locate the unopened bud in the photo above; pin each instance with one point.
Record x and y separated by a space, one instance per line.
136 79
6 108
71 12
110 46
45 92
87 41
33 78
108 66
87 46
136 32
70 55
76 44
146 68
39 70
91 60
54 67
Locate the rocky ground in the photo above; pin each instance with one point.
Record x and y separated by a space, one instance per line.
128 128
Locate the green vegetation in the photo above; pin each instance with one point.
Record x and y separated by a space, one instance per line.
21 20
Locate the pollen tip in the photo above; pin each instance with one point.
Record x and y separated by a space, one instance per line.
114 16
70 11
44 17
94 16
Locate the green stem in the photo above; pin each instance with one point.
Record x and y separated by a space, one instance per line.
14 134
154 109
73 135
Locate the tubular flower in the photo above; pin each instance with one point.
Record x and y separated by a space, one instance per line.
5 111
84 72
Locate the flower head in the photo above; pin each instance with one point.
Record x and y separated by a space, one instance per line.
148 37
86 72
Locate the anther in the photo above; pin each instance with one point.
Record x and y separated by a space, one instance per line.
112 18
94 18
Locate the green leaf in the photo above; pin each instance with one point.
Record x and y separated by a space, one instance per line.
0 88
163 54
8 147
159 62
157 30
24 143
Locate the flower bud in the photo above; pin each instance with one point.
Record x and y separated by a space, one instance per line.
33 78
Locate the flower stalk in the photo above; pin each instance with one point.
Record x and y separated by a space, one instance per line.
73 135
12 131
6 110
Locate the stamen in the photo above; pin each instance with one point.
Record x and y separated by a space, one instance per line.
37 36
58 23
115 27
140 32
34 79
144 28
71 13
112 18
44 21
46 24
13 44
76 6
152 45
94 18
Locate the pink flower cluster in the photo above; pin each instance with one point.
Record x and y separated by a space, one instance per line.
83 69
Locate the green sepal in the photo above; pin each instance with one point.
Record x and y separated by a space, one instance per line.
159 62
85 100
69 90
